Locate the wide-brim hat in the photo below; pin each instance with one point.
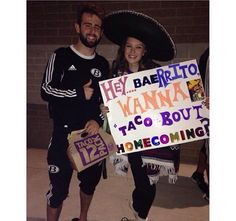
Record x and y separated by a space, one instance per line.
119 25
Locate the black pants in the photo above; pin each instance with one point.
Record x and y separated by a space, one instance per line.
60 170
144 193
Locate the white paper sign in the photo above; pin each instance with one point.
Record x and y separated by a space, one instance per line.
157 107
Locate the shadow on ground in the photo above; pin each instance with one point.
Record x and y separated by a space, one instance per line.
35 219
40 219
183 194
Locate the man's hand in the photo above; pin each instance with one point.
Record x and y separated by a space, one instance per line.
88 91
92 127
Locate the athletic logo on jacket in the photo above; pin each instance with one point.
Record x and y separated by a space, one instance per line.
96 73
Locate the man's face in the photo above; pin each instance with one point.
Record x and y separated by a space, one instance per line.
89 30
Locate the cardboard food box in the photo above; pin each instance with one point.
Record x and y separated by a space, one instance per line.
86 150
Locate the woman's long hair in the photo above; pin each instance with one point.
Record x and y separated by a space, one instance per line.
121 66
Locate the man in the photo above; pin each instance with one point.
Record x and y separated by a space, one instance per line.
70 86
203 159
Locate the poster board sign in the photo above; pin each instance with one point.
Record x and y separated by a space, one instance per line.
86 150
156 108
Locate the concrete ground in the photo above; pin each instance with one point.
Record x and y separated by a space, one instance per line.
179 202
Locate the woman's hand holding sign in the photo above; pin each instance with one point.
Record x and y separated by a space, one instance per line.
207 102
104 109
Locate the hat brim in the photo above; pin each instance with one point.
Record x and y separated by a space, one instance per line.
121 24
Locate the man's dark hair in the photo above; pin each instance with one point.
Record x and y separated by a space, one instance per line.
91 9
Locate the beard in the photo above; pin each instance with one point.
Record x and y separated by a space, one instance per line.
88 44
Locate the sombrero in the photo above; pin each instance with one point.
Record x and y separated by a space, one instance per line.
193 83
118 25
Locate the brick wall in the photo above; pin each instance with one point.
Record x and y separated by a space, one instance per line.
50 24
39 126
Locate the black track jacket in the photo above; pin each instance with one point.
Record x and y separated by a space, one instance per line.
62 87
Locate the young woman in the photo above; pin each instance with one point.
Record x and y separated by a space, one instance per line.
141 39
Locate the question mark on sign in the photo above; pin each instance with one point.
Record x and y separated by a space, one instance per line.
206 124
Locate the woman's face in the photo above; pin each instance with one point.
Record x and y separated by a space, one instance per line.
134 51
